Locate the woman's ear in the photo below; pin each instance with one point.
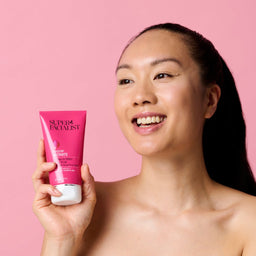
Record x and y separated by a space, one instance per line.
213 95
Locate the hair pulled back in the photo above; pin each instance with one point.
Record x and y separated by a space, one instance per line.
224 134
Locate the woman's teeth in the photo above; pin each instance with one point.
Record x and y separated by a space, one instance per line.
150 120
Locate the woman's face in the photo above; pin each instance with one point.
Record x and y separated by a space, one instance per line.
160 101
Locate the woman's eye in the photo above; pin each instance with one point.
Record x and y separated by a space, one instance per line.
162 75
124 81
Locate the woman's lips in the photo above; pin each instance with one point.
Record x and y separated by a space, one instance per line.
147 114
148 122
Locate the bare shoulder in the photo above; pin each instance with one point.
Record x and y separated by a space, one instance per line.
112 191
246 210
110 195
244 206
107 210
109 187
247 219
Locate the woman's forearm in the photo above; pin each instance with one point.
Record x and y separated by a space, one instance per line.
67 246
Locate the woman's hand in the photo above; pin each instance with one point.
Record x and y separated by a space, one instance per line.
61 222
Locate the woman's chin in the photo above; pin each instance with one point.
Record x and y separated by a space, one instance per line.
148 150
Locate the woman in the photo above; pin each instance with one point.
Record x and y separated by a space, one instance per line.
178 107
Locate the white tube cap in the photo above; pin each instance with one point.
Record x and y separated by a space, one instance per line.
71 194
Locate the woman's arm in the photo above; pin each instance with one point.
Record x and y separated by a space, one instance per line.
64 225
68 246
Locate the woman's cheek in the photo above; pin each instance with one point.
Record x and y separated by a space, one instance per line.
119 104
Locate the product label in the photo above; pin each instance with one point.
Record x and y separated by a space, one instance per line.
64 134
67 125
68 165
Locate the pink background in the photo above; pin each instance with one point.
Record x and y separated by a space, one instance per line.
61 54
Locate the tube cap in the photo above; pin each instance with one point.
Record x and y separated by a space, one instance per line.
71 194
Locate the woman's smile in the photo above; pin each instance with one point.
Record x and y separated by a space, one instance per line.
160 93
146 123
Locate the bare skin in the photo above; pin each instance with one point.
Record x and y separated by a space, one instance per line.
125 224
172 207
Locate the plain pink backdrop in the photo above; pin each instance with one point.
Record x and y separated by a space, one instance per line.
61 55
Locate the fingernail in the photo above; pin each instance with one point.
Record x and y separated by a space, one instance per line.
55 191
49 164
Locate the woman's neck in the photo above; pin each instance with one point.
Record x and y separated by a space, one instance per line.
175 184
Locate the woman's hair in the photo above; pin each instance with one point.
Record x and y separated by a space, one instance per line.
224 143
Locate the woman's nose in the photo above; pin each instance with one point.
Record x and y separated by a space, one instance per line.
144 94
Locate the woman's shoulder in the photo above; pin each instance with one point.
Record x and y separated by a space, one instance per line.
114 189
112 195
246 210
107 210
244 205
247 220
244 217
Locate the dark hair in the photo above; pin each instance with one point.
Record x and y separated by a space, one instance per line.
224 144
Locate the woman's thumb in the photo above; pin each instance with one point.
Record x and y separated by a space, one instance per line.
88 184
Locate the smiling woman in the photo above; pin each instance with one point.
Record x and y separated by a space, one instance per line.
224 133
176 103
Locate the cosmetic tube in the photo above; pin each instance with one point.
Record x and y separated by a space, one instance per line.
63 133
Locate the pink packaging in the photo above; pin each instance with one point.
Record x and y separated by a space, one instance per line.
63 133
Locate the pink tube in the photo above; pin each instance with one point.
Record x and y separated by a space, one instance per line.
63 133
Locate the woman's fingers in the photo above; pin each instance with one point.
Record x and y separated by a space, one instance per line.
88 184
41 173
89 194
42 197
41 153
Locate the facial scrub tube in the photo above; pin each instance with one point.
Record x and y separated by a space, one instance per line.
63 133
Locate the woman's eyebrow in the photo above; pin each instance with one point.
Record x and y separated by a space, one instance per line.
153 63
158 61
123 66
